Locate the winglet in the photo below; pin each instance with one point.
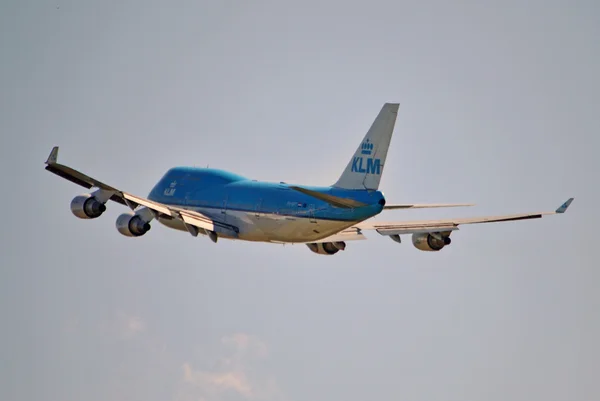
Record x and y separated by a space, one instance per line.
53 157
563 208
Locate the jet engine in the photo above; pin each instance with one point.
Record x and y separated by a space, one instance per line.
132 225
428 242
327 248
87 207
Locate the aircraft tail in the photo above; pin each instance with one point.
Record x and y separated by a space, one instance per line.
366 166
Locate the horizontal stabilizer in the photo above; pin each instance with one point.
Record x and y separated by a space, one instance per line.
336 201
425 205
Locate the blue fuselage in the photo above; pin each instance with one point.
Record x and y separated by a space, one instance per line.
255 205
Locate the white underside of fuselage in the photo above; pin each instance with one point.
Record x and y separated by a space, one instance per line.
267 227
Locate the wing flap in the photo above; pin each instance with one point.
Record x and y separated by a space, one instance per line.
198 220
497 219
349 234
416 229
158 207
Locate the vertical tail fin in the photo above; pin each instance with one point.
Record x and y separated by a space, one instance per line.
366 166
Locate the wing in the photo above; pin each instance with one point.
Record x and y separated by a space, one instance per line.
425 205
448 225
191 219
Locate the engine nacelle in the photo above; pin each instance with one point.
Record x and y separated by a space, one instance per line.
87 207
132 225
427 242
327 248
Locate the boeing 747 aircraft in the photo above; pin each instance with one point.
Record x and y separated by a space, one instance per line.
220 204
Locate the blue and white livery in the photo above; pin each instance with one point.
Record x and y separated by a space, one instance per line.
221 204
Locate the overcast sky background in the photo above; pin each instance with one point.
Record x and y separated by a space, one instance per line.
499 106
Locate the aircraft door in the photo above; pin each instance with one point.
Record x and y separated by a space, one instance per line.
258 208
311 213
186 187
224 209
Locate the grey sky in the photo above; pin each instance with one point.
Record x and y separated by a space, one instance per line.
499 106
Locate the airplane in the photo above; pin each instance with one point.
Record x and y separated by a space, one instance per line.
221 204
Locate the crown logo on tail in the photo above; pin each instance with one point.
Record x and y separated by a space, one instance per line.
366 148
